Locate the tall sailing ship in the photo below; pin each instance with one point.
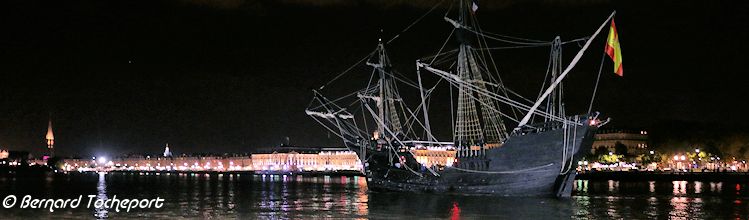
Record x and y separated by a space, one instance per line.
536 158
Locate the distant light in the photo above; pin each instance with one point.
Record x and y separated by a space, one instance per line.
697 150
683 157
652 152
676 157
102 160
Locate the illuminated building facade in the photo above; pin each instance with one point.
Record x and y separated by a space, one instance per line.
271 160
305 159
283 159
185 163
432 156
636 142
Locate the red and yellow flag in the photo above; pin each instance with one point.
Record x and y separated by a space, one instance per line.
613 49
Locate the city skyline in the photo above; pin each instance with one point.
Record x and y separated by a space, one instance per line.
121 77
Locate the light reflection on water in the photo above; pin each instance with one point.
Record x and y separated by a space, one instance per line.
292 197
653 199
101 194
680 188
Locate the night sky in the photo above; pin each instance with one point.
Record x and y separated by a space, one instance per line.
229 76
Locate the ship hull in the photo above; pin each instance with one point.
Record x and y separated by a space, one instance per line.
533 164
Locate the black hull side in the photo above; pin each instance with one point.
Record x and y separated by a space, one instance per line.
526 165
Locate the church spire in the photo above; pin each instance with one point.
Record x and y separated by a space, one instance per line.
50 137
167 153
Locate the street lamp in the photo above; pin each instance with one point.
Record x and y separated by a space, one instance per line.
652 152
697 150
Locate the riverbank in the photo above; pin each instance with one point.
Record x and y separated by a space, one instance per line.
39 170
664 176
308 173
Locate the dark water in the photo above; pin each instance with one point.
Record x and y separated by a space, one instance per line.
254 197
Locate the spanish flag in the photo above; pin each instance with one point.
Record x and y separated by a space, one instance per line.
613 49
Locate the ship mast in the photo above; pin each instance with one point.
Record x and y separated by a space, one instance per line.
564 73
554 105
386 95
474 109
380 98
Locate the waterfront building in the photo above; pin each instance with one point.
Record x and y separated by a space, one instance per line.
279 159
76 164
17 157
305 159
212 163
635 142
37 161
148 163
432 156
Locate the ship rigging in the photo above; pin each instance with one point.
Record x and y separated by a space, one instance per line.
490 157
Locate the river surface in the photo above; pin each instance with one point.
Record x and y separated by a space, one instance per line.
245 196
